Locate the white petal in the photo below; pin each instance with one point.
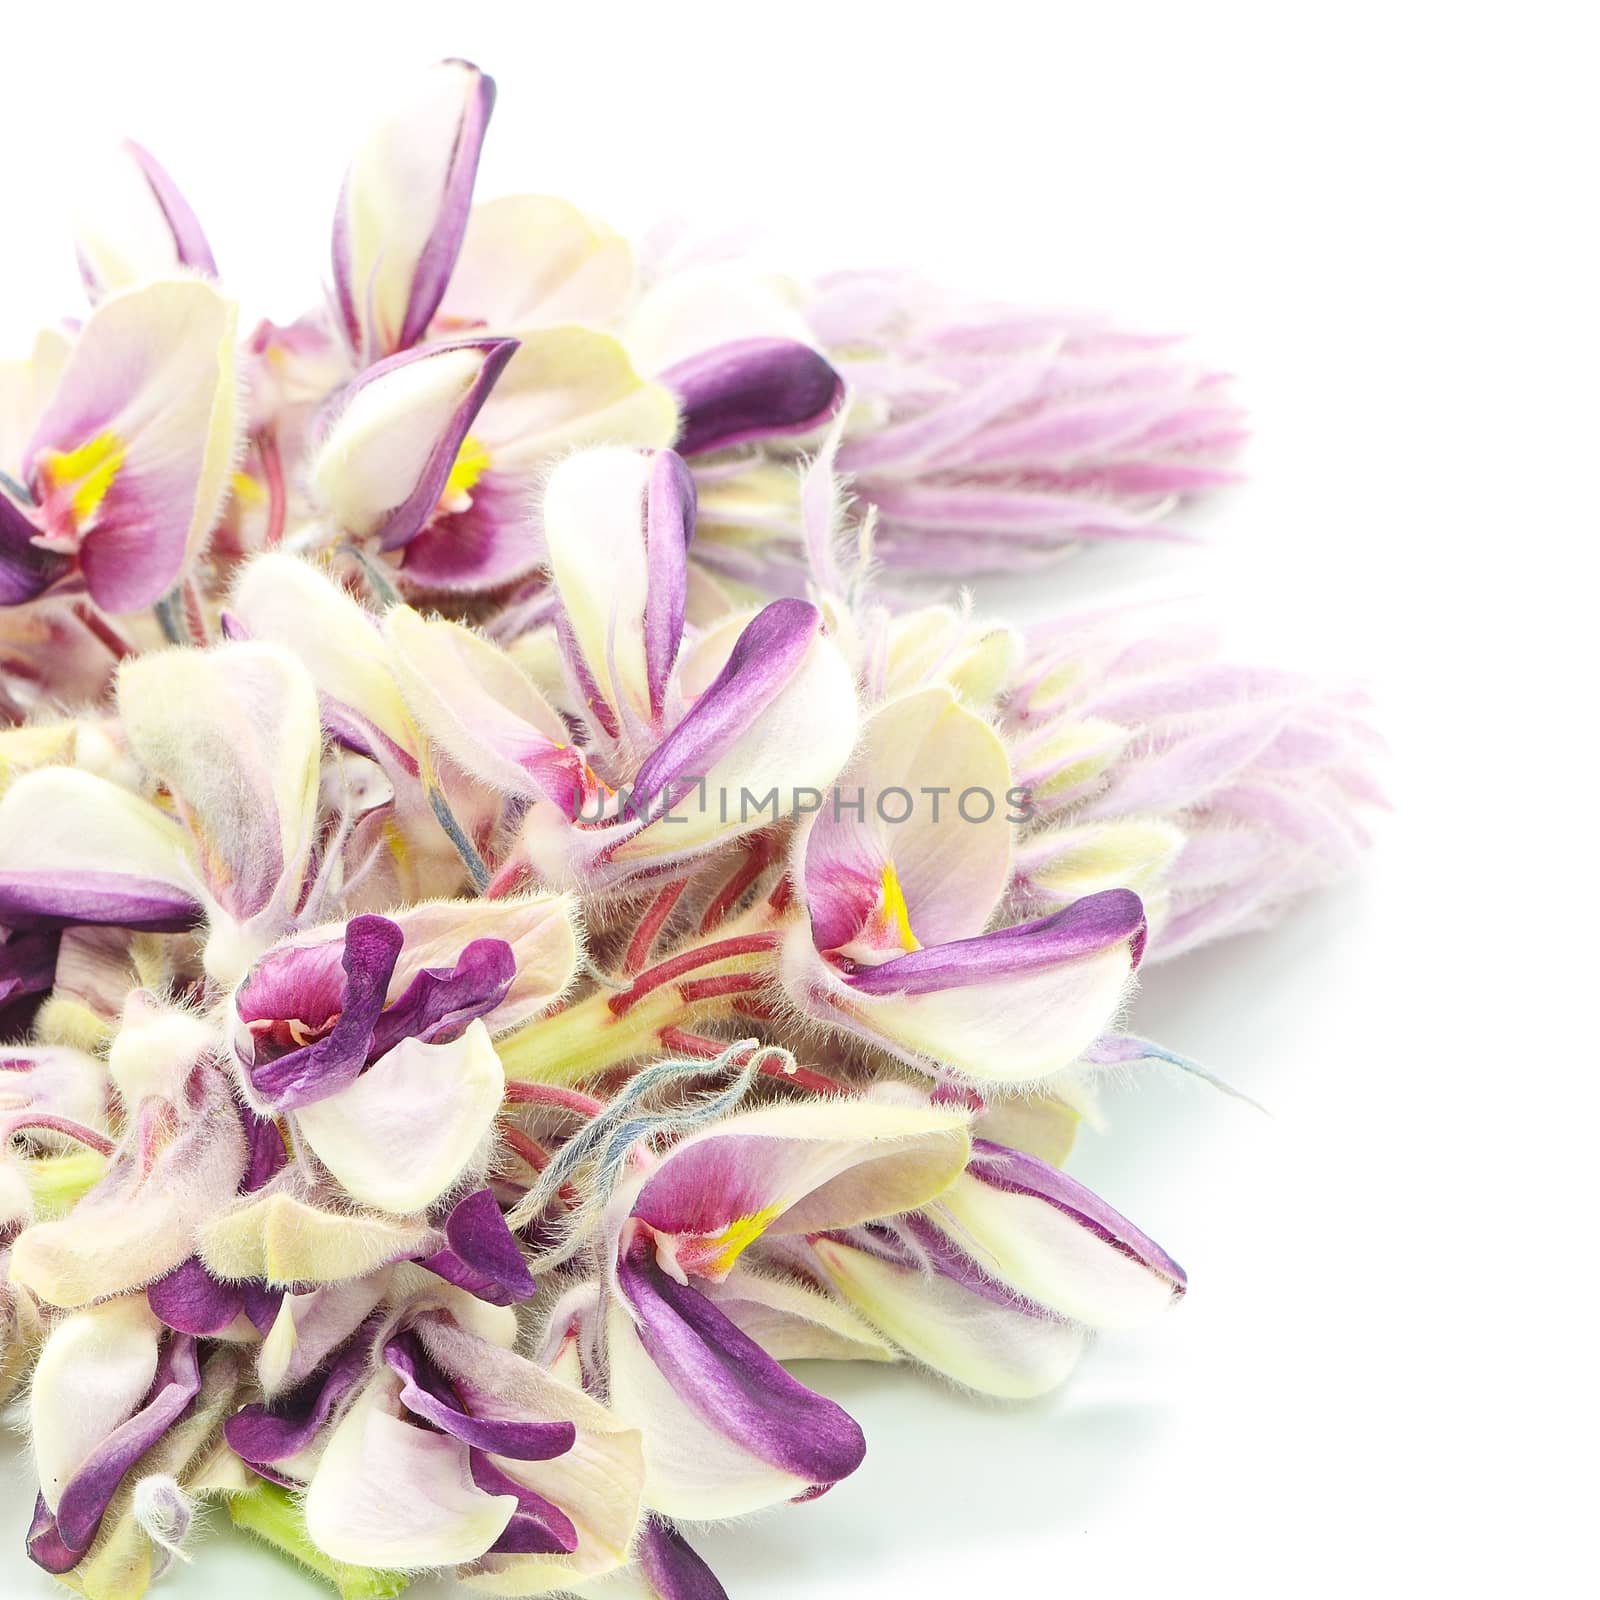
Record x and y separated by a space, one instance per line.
530 260
1008 1030
1054 1260
289 602
95 1368
801 741
397 194
793 1322
800 1167
570 387
285 1241
59 820
985 1344
690 1468
236 735
1042 1124
122 231
376 448
936 644
596 1483
406 1130
153 372
594 536
696 309
701 661
473 700
1075 861
386 1494
951 870
310 1326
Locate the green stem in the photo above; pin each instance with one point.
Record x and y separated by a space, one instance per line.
59 1182
272 1515
590 1038
613 1027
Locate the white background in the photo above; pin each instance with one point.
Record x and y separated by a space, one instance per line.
1382 218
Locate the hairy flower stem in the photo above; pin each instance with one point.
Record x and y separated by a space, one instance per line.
682 1042
692 960
41 1122
610 1028
113 638
550 1094
650 925
759 853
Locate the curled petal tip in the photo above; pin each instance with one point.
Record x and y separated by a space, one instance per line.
752 389
391 442
617 525
403 211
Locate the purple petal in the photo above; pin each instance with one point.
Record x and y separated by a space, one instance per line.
492 542
95 899
592 697
304 983
315 1071
669 526
134 554
1085 928
46 1547
674 1570
261 1436
27 974
426 1394
479 1238
410 516
844 867
537 1527
751 389
268 1153
431 274
190 1300
1013 1172
25 569
439 1003
438 259
436 1006
764 658
944 1256
262 1302
88 1492
448 1265
733 1383
188 238
349 728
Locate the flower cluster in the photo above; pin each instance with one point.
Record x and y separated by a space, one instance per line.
512 933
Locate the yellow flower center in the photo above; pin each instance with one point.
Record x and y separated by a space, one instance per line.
719 1251
472 461
247 491
893 910
83 477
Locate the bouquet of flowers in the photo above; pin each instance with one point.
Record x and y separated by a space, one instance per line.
520 918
